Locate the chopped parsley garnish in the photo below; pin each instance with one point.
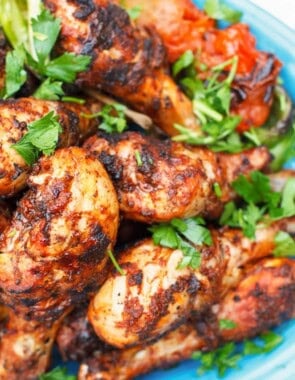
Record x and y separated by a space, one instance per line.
42 137
285 245
185 235
222 358
211 104
133 12
217 189
115 262
229 355
57 373
113 118
260 202
226 324
219 11
138 158
36 56
15 74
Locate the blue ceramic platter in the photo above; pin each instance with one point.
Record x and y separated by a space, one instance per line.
274 37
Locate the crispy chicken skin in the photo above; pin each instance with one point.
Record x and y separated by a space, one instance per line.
155 296
54 252
127 62
172 180
14 117
263 298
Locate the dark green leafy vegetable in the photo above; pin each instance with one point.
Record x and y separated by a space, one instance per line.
219 11
42 137
183 234
49 90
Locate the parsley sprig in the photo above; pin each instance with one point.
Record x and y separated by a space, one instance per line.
229 355
42 137
183 234
219 11
211 104
57 373
42 34
113 118
260 203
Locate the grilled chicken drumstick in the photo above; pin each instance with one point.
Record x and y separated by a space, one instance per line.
264 298
171 180
127 62
15 115
155 296
53 254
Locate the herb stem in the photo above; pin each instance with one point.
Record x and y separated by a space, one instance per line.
201 106
115 262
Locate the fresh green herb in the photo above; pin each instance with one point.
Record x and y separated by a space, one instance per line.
34 51
227 324
57 373
219 11
15 75
138 158
66 67
285 245
115 263
217 189
268 341
260 200
186 235
113 118
42 137
211 105
229 355
73 99
49 90
283 149
183 62
222 358
134 12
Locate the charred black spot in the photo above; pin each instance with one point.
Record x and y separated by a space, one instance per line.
237 298
135 278
111 165
86 7
266 69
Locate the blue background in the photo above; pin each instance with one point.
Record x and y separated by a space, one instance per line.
274 37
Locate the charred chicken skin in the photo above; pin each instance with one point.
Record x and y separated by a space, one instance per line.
15 115
155 296
127 62
53 254
263 298
172 180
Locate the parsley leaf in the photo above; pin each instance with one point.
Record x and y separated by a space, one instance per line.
269 341
113 118
183 62
229 355
42 137
46 29
57 373
226 324
66 67
260 200
133 12
49 90
183 234
219 11
285 245
15 75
